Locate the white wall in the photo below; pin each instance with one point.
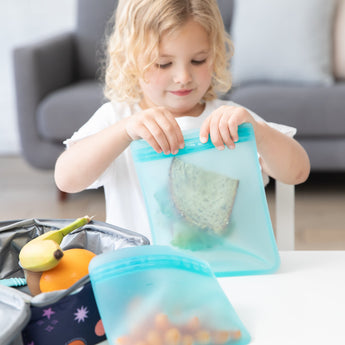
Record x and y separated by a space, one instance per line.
22 22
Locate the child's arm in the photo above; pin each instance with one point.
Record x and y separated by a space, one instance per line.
282 157
84 161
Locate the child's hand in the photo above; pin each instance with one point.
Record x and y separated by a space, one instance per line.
158 127
222 125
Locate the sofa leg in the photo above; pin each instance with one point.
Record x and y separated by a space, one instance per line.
62 195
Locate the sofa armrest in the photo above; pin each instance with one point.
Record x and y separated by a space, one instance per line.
44 66
39 69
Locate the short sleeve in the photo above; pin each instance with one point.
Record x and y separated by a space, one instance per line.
289 131
100 120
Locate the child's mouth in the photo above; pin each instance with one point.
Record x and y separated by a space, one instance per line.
181 92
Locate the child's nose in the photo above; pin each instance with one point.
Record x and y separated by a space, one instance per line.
182 75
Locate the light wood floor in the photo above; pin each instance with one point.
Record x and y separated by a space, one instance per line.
30 193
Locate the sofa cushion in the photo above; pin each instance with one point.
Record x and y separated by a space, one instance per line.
325 154
285 40
316 111
339 41
64 111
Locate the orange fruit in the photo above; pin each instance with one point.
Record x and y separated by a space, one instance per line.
72 266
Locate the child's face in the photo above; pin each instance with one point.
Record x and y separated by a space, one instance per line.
182 74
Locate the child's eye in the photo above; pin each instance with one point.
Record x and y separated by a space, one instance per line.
198 62
162 66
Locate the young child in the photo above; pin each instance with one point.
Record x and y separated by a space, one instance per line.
167 61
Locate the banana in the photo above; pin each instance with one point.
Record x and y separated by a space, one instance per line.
44 252
40 256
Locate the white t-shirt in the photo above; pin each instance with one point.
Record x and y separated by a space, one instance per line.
125 206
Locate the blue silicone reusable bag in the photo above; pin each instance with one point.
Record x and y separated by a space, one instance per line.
246 245
159 295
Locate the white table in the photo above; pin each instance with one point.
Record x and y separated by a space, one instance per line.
303 303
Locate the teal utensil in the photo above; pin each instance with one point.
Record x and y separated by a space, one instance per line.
13 282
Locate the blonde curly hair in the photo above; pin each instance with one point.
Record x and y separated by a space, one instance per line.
135 38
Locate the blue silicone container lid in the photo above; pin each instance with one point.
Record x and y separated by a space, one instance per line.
142 151
131 259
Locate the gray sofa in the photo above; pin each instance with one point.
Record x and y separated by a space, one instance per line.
58 89
58 83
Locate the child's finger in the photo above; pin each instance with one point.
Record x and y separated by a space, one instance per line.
215 134
233 128
176 130
172 131
234 122
205 130
150 139
224 130
157 136
180 138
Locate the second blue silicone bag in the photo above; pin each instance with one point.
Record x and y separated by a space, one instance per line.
210 203
160 296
